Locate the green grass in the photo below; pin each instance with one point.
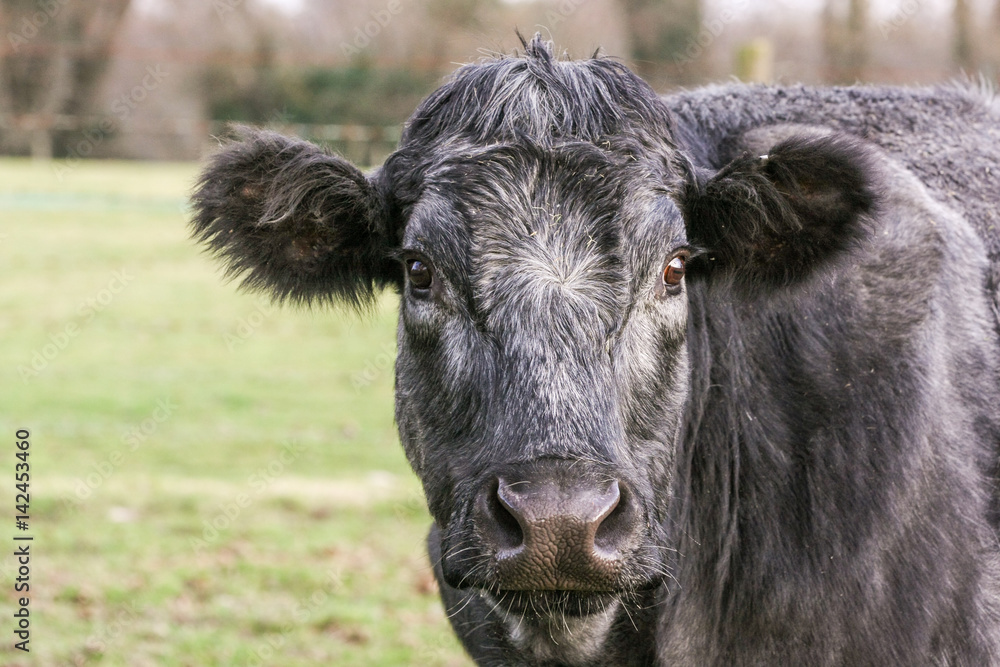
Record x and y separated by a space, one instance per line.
161 401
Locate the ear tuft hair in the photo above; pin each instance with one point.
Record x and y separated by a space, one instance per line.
294 221
774 218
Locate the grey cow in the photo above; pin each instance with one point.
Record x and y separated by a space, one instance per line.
710 379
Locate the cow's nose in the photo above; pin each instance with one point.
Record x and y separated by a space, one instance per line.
554 532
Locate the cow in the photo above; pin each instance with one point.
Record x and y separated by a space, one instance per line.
708 379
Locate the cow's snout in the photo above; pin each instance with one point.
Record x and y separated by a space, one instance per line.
549 529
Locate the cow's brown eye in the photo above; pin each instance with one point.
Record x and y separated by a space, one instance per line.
673 272
420 274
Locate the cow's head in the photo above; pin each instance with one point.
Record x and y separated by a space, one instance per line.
544 228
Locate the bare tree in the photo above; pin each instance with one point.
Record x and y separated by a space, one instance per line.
994 38
52 63
962 49
857 43
845 39
832 34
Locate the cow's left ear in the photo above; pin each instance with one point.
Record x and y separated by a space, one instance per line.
294 221
773 218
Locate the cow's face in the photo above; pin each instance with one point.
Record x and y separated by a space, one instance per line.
546 236
542 366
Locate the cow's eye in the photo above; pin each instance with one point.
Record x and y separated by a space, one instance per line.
420 273
673 272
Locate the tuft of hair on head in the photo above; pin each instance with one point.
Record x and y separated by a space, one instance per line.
538 96
538 48
294 221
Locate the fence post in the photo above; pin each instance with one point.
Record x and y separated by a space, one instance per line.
755 61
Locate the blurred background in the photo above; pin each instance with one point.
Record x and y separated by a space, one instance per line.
216 480
155 79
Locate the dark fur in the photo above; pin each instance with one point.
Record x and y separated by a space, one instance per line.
809 429
294 220
775 217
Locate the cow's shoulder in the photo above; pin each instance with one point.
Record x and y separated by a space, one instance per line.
717 112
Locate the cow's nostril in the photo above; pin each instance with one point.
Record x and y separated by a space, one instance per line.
617 526
502 526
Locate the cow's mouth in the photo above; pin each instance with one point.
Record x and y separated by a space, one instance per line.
530 605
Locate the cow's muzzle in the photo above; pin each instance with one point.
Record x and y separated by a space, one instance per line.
556 526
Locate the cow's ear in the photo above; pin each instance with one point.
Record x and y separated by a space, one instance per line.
773 218
294 221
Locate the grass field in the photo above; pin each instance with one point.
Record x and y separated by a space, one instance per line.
213 481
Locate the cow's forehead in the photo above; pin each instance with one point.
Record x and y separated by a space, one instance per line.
568 229
540 162
546 235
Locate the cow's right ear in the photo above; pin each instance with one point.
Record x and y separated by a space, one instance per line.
773 218
294 221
